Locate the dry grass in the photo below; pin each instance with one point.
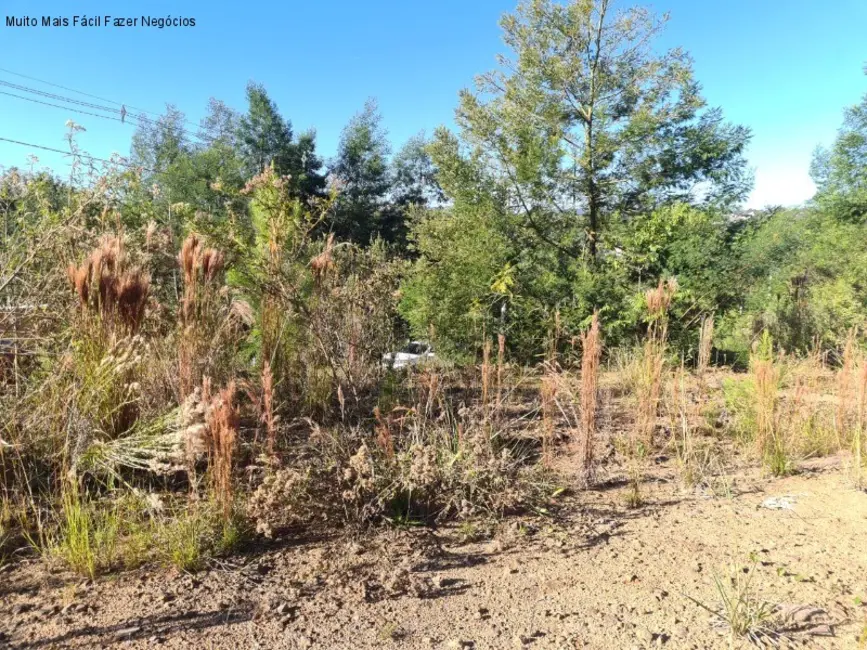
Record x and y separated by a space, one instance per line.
657 302
486 375
201 268
846 391
649 387
705 344
268 417
766 376
149 380
548 396
223 421
860 434
591 355
110 288
383 434
501 361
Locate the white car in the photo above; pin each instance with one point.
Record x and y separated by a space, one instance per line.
411 354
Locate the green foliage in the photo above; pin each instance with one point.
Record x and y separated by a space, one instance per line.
840 173
453 285
185 540
798 274
588 124
568 164
87 535
740 609
415 175
267 139
364 179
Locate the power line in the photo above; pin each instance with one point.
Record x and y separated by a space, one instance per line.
80 92
67 153
42 93
74 110
142 119
119 111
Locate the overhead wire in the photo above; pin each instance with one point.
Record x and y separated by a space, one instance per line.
124 115
69 153
81 92
74 110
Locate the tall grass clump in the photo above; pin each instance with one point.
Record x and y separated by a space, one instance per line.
111 290
705 344
501 365
646 379
846 389
268 417
200 312
860 434
223 423
486 376
770 439
850 418
106 349
548 395
591 355
657 302
682 430
87 535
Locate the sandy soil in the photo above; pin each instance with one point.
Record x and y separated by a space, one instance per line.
594 575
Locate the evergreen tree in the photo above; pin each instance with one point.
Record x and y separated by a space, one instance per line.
415 175
265 136
307 180
361 170
158 144
267 139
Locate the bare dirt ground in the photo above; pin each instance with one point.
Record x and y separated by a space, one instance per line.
592 575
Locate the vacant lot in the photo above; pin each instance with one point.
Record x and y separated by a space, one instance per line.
594 575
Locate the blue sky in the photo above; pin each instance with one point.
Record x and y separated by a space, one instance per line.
785 68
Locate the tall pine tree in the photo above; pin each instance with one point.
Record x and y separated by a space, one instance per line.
267 139
361 171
